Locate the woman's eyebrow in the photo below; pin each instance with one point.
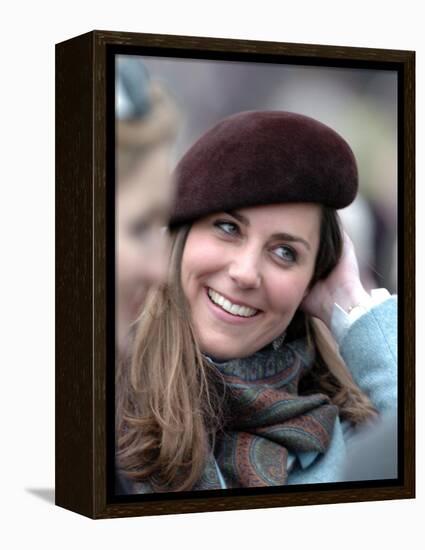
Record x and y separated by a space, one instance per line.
238 216
276 236
290 238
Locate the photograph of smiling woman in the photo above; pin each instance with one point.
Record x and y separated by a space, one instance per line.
186 395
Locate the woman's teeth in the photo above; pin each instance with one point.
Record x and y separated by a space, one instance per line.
242 311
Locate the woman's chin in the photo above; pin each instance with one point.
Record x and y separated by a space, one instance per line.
225 351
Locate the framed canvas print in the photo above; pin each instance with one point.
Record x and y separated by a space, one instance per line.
234 274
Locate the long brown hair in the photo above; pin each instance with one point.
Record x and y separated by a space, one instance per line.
167 399
330 374
170 399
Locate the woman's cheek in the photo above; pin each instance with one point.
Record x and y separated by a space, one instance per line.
203 254
123 261
288 290
131 261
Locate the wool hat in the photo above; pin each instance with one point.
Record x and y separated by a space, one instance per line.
256 158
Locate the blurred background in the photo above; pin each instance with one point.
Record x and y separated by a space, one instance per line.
360 104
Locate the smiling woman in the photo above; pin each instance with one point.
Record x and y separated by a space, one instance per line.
245 273
255 362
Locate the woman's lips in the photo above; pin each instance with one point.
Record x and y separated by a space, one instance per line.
227 316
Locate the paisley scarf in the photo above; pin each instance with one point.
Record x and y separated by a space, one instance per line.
266 419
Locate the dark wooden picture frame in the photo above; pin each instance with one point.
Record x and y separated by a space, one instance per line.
85 260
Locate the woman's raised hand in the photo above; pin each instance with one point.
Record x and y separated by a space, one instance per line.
341 286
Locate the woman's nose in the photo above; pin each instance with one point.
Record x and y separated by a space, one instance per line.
244 269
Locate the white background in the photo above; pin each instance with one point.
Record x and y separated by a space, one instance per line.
29 32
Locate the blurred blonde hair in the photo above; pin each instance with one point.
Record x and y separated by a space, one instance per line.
136 137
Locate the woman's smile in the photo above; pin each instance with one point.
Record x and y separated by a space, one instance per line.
245 273
230 305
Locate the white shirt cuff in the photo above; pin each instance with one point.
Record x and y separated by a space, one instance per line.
341 321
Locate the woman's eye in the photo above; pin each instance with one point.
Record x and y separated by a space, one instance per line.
286 253
227 227
139 229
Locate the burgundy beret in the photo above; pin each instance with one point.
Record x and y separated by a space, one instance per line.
263 157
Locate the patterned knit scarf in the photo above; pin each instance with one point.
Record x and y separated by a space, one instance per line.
267 418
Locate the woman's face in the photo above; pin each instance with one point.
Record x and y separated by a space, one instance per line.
142 213
245 272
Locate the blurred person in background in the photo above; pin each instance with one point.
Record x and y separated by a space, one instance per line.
146 126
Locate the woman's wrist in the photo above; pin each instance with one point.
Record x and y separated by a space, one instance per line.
347 297
350 296
342 320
